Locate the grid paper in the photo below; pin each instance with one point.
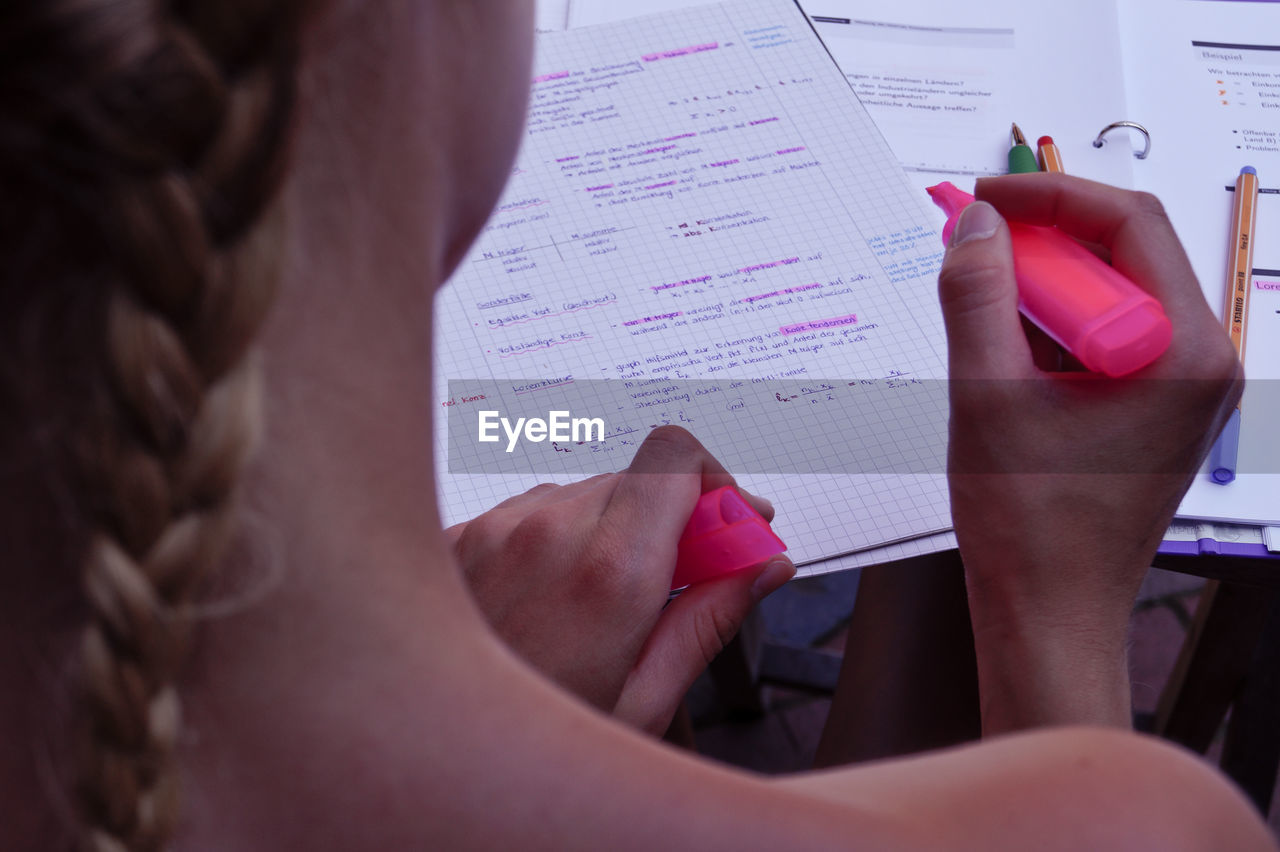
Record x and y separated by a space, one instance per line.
705 183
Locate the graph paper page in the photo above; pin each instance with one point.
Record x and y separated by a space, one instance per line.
700 198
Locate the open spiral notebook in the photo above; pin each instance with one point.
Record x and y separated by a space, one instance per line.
943 80
935 81
706 228
1205 86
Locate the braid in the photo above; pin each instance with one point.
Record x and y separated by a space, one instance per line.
150 138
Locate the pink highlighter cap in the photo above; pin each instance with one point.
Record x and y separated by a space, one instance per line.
1109 323
724 534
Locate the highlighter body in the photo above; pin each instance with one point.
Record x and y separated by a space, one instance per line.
1107 322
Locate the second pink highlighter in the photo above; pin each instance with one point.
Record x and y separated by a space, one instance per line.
1102 318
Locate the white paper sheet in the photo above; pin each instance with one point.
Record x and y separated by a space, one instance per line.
943 80
700 195
936 78
1208 83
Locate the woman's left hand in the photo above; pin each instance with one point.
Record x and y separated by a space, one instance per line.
575 579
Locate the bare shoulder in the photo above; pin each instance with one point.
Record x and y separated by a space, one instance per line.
1064 788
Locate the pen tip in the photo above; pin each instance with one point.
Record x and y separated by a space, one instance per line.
1018 138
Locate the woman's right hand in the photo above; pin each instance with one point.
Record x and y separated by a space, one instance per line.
1062 484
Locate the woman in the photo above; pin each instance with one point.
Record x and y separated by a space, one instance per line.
339 686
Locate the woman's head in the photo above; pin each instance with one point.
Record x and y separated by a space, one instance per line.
142 149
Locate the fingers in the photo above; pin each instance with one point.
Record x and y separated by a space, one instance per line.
979 298
453 533
671 469
1089 211
691 632
1133 229
1045 351
1131 225
760 504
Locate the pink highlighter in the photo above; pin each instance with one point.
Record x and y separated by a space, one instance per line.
1109 323
724 534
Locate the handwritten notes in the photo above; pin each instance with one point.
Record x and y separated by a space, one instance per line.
705 228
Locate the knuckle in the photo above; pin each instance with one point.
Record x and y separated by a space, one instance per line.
666 446
514 501
1223 363
539 530
1147 204
602 570
1215 362
477 534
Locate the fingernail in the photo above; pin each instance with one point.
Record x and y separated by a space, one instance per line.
978 221
778 571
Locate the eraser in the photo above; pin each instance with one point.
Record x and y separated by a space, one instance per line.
724 534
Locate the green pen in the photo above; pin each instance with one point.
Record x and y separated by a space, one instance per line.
1021 157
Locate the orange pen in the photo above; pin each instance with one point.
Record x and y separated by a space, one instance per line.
1244 219
1235 313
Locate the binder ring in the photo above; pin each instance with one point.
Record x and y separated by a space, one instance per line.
1146 136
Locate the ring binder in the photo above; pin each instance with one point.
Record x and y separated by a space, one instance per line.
1146 136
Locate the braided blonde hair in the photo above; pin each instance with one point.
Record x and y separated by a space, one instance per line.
141 145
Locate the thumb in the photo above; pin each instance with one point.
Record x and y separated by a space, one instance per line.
979 298
692 630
